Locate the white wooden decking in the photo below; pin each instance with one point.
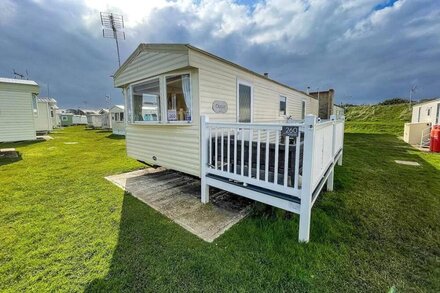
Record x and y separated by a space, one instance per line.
283 165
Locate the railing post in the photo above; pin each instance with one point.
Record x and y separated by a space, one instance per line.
204 158
307 180
331 176
342 141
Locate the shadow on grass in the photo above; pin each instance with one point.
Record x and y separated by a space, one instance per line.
103 131
6 161
115 136
374 209
137 256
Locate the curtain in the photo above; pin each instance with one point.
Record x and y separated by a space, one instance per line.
186 88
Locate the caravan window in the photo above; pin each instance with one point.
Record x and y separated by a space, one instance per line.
283 108
179 99
34 105
303 110
146 101
244 96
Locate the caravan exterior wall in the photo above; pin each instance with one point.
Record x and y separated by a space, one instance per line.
66 119
17 110
118 119
43 119
79 120
94 120
427 112
176 145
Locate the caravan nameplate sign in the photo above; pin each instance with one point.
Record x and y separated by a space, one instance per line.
291 131
219 107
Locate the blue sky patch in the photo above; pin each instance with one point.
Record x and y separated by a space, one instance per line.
385 4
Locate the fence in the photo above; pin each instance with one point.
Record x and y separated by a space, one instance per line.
284 165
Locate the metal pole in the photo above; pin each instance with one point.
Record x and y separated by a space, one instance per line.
117 49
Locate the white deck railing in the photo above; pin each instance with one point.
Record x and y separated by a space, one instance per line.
281 164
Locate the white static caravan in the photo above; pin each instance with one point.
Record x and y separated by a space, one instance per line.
105 119
118 121
94 120
156 77
44 120
79 120
18 108
424 116
182 104
101 119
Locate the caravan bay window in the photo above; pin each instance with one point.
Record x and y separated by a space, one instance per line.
146 101
178 92
172 93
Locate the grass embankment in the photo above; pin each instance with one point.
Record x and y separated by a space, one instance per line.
63 227
378 118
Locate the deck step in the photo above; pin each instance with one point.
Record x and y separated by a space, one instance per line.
265 191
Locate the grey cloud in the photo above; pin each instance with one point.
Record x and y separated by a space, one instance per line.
369 67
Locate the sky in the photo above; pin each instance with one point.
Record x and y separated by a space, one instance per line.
367 50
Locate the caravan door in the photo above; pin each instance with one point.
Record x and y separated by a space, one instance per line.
244 105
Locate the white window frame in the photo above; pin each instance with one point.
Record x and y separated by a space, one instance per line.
165 95
34 110
163 100
279 101
251 85
160 102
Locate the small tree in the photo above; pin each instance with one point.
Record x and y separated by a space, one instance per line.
394 101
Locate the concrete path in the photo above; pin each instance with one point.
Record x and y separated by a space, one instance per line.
177 196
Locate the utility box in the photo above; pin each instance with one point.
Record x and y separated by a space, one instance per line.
413 132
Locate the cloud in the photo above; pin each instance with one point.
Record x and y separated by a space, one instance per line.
366 49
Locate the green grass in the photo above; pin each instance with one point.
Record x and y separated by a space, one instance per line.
377 118
63 227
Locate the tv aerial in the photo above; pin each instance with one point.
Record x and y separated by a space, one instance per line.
113 28
16 74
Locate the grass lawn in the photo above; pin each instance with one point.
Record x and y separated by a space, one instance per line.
63 227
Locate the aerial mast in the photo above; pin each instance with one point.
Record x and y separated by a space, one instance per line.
113 28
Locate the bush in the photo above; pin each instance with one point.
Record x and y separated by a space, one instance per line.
394 101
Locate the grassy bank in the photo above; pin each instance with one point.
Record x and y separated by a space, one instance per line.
377 118
63 227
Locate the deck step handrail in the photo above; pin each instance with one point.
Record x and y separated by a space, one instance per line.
293 159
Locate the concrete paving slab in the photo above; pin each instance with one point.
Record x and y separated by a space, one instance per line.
8 153
177 196
408 163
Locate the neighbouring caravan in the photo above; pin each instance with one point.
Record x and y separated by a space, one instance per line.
18 109
99 120
56 122
66 119
105 118
424 116
44 120
239 131
79 120
338 111
427 112
118 121
94 120
168 87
